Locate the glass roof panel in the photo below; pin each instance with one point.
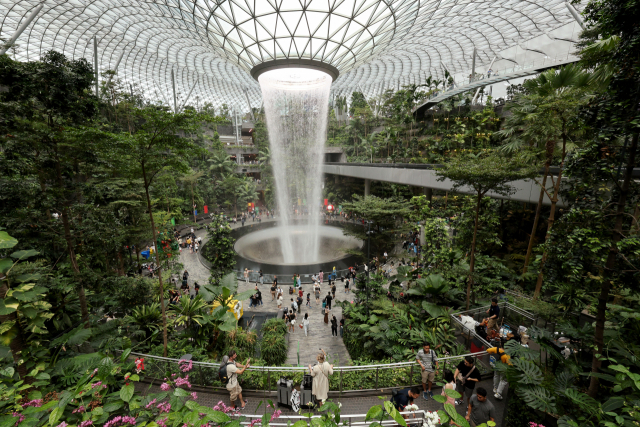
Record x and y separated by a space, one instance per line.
375 44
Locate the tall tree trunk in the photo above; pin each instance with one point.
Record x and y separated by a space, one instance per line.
84 310
472 257
153 242
193 204
17 343
609 269
536 219
552 217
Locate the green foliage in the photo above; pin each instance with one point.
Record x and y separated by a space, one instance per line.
273 344
219 249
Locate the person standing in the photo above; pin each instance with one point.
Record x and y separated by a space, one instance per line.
341 326
261 276
404 398
494 314
292 321
299 301
273 292
333 290
334 326
275 280
246 275
280 299
316 290
466 376
233 386
321 277
308 299
499 379
449 385
294 305
328 298
326 315
480 409
305 324
320 374
427 359
346 285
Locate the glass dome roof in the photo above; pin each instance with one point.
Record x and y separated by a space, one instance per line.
211 45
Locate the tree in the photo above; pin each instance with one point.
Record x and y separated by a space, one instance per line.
614 111
544 116
151 146
219 249
44 105
490 172
190 179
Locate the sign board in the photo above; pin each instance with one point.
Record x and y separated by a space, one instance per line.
206 209
295 400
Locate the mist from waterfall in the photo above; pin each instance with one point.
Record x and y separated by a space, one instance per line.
296 103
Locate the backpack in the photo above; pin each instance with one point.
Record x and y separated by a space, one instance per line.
223 376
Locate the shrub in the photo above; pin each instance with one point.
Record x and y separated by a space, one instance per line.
273 347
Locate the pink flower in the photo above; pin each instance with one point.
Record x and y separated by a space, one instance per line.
19 416
162 422
183 381
185 365
36 403
120 420
275 415
80 409
254 422
150 404
85 423
97 384
62 424
164 407
164 387
194 395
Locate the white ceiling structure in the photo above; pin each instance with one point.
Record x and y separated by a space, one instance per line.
211 45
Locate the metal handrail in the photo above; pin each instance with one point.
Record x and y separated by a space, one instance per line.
304 368
419 417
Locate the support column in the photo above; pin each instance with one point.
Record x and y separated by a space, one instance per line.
575 14
473 67
367 187
422 235
95 63
21 29
429 193
175 99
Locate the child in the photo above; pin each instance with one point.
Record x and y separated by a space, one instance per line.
309 299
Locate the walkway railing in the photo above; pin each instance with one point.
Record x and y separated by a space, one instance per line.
345 379
416 418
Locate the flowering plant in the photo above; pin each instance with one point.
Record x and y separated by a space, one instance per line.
412 407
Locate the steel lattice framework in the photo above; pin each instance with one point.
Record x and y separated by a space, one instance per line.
211 45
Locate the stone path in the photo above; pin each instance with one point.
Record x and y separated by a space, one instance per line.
304 347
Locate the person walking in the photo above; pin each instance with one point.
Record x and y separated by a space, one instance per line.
427 358
333 290
308 299
275 280
466 376
341 326
320 373
280 299
321 277
233 370
294 305
480 410
299 300
273 292
499 379
316 290
346 285
334 326
261 277
246 275
292 322
305 324
326 315
328 299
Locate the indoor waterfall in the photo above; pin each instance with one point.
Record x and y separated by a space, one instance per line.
296 102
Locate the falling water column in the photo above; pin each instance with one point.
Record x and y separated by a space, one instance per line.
296 103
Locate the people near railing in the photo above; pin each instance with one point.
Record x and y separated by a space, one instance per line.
449 385
428 361
494 314
499 379
320 373
405 397
233 370
480 410
466 375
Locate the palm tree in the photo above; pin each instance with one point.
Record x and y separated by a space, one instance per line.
221 163
542 119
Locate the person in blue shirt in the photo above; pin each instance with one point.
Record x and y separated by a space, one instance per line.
405 397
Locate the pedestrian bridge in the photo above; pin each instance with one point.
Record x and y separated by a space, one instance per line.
424 175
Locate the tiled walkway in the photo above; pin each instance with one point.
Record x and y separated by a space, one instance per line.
304 348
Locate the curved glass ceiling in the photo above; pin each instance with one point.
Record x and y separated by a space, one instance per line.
211 45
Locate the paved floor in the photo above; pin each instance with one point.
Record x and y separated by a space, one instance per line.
351 404
301 348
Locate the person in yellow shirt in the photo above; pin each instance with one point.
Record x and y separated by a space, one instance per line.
499 380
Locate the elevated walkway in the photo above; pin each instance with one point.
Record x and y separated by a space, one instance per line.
499 76
423 175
